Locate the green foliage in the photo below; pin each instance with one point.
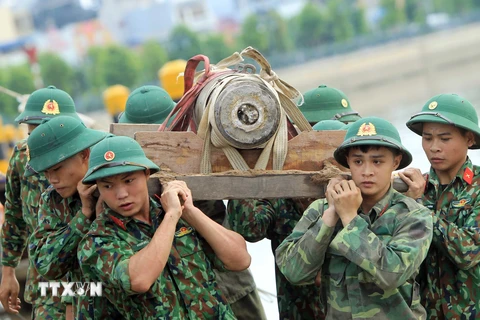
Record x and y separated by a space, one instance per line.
215 48
339 22
183 43
120 67
394 15
415 11
94 66
254 34
152 56
311 27
7 103
55 71
18 79
359 21
21 79
277 27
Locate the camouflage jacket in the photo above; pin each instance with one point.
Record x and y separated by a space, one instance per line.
22 196
369 266
234 284
275 219
53 248
186 289
451 277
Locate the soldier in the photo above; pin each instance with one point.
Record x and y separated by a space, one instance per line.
147 104
449 277
60 148
155 261
21 206
275 219
365 239
326 103
152 104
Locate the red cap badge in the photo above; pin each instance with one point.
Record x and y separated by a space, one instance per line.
109 155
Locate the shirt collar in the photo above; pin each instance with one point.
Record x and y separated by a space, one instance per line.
381 206
155 212
433 178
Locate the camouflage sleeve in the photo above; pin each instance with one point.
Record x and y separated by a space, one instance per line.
215 209
251 218
461 244
387 264
54 243
107 259
14 229
301 255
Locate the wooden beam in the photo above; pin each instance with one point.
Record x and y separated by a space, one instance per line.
129 129
182 151
287 184
260 186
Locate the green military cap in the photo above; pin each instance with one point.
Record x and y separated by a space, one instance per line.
147 104
47 103
325 103
115 155
58 139
375 132
329 125
448 109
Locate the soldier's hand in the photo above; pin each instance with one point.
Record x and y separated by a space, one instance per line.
347 198
415 180
9 290
89 201
174 196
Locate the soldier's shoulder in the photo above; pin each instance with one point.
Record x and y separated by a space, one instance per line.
48 193
409 203
103 225
20 146
476 172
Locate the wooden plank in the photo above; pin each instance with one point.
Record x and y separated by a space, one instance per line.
259 186
182 151
267 186
129 129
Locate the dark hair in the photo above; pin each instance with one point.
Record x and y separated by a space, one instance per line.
367 147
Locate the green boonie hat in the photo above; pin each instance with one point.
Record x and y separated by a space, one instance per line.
375 132
147 104
115 155
324 103
47 103
448 109
329 125
58 139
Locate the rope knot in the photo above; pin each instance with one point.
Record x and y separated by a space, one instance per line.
268 76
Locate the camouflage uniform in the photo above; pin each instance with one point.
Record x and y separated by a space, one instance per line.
368 262
369 267
21 206
53 247
451 281
450 276
239 287
275 219
23 194
61 223
187 288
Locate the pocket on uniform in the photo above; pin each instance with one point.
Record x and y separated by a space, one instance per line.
189 247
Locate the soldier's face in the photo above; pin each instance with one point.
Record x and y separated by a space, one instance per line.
65 176
446 147
126 194
372 170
